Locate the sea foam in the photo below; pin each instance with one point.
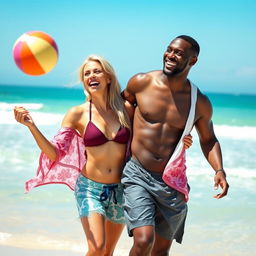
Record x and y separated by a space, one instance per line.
7 117
236 132
10 106
43 118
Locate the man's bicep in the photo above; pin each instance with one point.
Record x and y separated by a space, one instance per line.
204 129
129 96
204 124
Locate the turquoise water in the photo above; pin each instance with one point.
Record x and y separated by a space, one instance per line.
53 99
229 109
47 216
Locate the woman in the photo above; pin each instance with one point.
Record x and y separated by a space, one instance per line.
88 154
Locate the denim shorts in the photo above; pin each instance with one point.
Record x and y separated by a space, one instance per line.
105 199
150 202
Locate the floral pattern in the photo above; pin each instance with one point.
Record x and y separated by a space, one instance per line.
70 161
175 174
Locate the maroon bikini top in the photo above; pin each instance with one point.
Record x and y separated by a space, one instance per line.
93 136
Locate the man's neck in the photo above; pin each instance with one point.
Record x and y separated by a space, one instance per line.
176 82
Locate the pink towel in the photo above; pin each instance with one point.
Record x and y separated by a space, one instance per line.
174 174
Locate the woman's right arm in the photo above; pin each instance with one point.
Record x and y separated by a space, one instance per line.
22 116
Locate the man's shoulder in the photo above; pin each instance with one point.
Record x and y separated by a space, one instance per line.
203 103
143 79
142 76
202 98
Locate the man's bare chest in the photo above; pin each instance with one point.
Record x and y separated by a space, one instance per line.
164 109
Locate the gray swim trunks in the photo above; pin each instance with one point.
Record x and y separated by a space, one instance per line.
150 202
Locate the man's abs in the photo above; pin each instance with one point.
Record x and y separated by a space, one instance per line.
153 146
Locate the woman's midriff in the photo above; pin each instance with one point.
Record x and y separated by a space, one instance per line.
105 163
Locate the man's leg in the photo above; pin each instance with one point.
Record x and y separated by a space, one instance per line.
143 241
161 246
139 209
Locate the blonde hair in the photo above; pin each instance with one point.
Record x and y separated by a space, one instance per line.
114 98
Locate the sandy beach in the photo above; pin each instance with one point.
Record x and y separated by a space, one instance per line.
34 246
15 251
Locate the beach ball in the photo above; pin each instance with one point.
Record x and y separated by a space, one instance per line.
35 53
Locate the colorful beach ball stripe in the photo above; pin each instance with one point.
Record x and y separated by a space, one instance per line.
35 53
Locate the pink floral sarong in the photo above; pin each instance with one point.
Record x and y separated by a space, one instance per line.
174 174
70 161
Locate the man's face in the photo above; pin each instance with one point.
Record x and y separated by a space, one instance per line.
176 57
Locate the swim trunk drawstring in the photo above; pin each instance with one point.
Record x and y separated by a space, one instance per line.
108 192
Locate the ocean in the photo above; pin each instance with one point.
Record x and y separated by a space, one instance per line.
46 218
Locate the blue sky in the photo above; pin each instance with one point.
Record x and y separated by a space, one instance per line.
133 36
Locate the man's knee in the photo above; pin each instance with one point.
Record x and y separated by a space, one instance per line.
144 238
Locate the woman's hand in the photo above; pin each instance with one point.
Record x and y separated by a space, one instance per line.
22 116
187 140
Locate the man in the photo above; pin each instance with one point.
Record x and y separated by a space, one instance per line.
156 212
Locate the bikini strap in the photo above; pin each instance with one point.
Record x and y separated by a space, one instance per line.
90 112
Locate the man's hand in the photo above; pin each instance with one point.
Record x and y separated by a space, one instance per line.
187 140
220 180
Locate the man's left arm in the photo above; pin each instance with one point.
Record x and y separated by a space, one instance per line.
209 143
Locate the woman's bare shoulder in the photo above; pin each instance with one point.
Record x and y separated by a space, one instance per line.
74 115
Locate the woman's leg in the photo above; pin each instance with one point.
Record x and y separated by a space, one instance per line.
94 228
113 233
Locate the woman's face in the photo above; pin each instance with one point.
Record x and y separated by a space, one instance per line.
95 78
